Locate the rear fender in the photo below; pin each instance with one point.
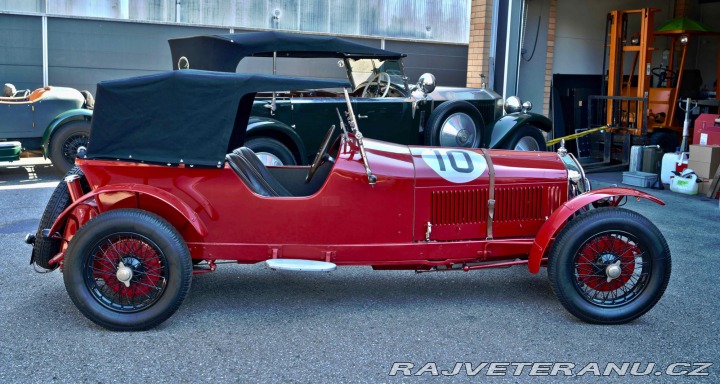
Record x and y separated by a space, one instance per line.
71 115
559 218
157 201
504 129
266 127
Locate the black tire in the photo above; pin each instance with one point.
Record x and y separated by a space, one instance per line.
65 142
528 138
589 246
460 114
147 245
45 248
666 140
266 145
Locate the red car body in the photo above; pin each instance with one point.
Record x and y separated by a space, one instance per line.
425 208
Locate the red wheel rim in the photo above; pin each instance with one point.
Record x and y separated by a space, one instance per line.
611 268
126 272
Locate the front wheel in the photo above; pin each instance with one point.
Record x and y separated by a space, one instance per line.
528 138
65 141
609 266
127 270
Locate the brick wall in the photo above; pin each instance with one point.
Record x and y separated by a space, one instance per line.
479 44
549 58
479 47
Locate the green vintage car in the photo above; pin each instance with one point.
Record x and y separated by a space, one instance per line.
288 127
55 120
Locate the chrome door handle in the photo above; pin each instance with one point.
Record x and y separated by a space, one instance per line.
362 117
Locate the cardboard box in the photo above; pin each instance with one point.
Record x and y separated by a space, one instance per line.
704 187
704 160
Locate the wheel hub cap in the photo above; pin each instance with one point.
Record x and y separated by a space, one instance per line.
124 274
458 131
613 271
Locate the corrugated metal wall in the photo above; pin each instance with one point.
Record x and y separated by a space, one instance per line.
83 51
21 51
435 20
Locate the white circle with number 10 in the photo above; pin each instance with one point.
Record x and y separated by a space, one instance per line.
455 165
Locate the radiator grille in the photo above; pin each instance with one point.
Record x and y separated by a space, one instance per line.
487 111
511 204
459 207
518 203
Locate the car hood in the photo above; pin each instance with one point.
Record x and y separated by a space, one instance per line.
459 93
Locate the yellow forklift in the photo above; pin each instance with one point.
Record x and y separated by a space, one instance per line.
640 101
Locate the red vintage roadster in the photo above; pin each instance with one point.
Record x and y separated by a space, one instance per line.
166 189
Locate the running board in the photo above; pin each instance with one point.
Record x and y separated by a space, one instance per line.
300 265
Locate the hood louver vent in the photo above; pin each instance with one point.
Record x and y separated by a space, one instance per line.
512 204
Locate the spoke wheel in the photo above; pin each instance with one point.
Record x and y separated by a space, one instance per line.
609 266
65 141
611 270
126 272
71 145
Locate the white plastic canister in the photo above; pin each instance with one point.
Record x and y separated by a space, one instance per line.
687 183
673 162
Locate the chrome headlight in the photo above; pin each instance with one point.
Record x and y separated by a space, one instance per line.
578 183
513 105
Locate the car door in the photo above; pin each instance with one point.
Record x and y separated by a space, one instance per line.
388 118
16 119
313 116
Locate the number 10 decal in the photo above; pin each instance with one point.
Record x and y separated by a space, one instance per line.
455 165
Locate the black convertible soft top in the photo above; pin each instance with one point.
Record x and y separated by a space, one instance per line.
181 117
224 52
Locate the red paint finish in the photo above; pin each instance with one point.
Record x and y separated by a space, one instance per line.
558 219
347 221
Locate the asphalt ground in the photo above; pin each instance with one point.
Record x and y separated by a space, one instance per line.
248 324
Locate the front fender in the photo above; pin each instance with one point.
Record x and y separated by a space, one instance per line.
265 126
506 126
558 218
167 201
73 114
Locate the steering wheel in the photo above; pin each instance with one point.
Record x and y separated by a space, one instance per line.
320 157
664 75
377 80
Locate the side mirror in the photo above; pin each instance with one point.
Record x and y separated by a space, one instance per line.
426 83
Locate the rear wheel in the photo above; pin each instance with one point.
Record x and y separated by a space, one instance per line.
609 266
528 138
65 142
270 151
127 270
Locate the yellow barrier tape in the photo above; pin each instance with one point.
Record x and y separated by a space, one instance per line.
576 135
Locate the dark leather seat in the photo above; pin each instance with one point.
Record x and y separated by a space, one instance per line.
254 174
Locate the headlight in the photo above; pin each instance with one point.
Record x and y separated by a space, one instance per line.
513 104
578 183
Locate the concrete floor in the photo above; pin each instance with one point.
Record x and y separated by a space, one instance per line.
249 324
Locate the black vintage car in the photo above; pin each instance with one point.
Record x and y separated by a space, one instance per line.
53 119
287 127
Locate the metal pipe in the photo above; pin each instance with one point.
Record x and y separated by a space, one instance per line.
500 265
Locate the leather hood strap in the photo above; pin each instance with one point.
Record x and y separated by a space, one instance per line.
491 193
